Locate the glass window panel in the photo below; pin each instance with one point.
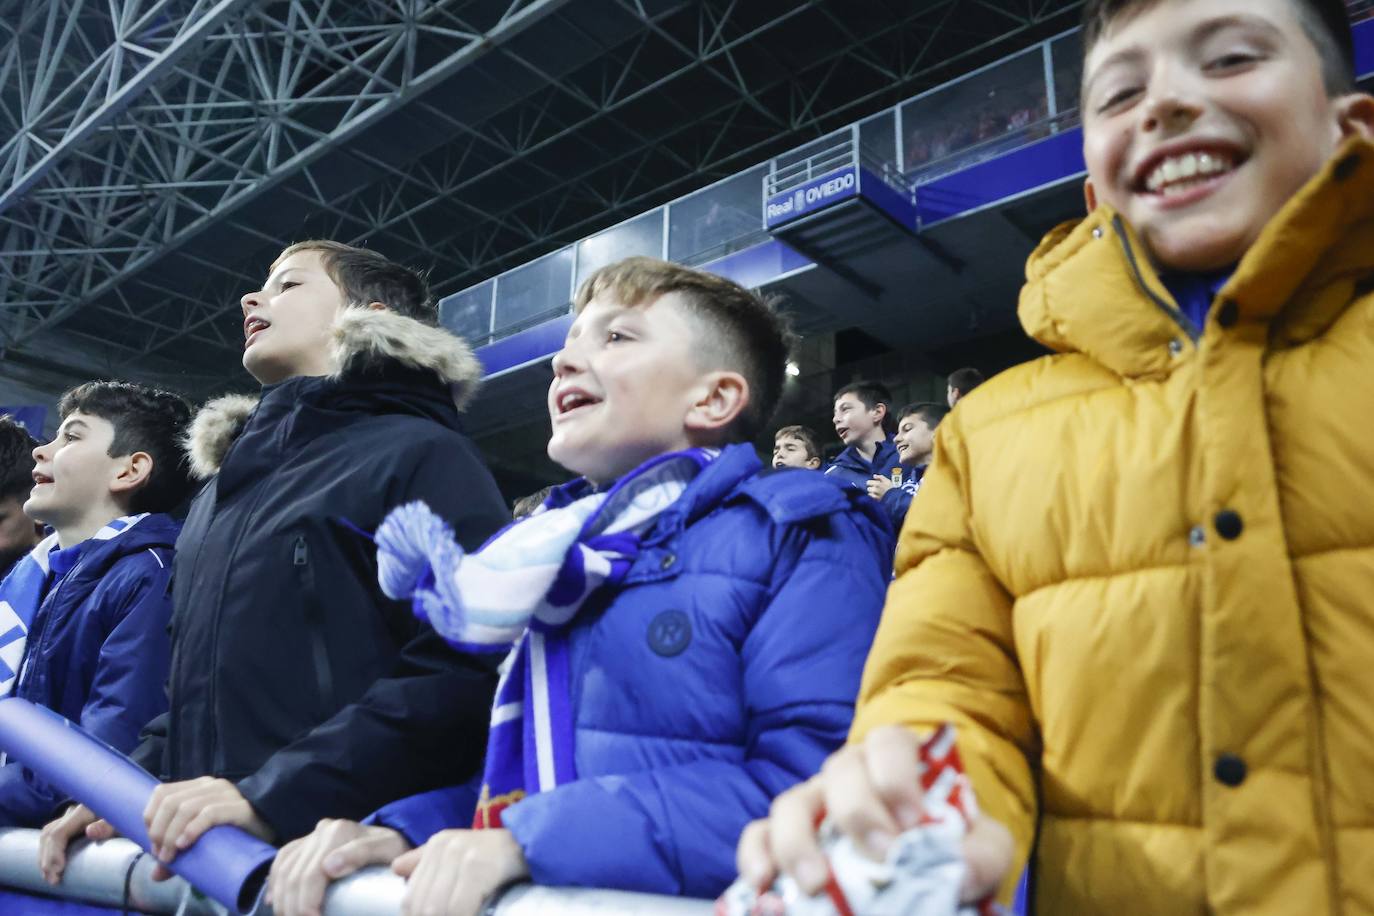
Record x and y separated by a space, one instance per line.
534 292
1066 54
717 220
878 141
641 235
978 117
468 313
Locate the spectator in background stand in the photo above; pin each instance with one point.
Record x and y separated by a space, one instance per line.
796 447
862 420
961 382
18 533
915 440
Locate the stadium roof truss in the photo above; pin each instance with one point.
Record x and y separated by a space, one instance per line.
157 153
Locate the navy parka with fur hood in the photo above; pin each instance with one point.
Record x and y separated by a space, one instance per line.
97 652
721 672
292 674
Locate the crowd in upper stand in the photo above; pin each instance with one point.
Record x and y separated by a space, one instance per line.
1135 575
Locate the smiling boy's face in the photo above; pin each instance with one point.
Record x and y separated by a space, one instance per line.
623 385
1201 118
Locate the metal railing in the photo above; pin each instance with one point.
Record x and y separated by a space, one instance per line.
117 874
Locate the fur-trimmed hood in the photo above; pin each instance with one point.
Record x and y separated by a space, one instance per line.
361 339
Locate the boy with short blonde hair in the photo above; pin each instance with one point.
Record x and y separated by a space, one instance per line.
1137 581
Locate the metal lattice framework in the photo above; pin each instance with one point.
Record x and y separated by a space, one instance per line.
159 152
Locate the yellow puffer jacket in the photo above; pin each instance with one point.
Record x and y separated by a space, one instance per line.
1139 576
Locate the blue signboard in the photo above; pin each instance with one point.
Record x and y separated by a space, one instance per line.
822 191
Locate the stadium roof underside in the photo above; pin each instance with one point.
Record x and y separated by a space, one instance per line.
156 155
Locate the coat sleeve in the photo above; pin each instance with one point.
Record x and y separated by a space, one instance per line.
126 686
673 829
945 651
421 816
422 727
896 502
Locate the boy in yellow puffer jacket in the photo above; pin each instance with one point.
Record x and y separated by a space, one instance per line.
1160 658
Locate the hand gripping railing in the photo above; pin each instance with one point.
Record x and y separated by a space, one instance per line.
117 874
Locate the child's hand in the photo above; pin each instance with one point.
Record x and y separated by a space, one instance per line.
57 836
457 870
878 485
179 812
871 791
304 868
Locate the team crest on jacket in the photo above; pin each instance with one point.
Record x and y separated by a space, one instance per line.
670 632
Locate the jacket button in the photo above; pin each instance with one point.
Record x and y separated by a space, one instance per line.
1228 524
1197 536
1228 313
1229 770
1097 232
1175 347
668 561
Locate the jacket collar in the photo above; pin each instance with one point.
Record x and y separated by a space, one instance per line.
364 342
1090 289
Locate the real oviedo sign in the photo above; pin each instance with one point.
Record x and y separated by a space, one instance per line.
819 192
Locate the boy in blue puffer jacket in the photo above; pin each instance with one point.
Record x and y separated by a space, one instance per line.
689 627
85 614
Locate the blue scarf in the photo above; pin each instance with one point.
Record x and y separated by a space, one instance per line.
525 586
23 591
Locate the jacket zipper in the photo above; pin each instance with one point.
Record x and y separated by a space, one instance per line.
1180 319
324 674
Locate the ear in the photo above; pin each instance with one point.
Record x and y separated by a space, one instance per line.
1355 115
881 411
1089 195
721 398
377 306
813 463
132 474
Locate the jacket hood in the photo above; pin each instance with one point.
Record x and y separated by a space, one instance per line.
1091 289
363 341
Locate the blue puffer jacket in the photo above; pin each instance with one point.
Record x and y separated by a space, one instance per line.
720 673
850 469
98 652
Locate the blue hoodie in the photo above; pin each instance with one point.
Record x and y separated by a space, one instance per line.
97 650
720 673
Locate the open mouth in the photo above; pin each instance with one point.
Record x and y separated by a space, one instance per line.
842 432
572 399
1174 175
40 479
251 326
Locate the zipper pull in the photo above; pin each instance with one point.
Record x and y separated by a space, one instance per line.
300 554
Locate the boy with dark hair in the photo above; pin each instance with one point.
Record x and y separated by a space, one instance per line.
664 608
297 689
1137 581
915 441
863 420
89 605
796 447
18 533
961 382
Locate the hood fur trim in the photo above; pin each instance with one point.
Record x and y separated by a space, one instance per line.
364 336
214 429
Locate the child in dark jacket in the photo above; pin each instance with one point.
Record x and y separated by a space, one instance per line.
915 441
689 626
863 419
297 689
86 612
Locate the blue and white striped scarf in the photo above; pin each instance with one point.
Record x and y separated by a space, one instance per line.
22 593
526 584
